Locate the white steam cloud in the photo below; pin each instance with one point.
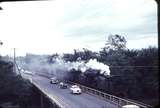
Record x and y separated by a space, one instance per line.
83 66
60 66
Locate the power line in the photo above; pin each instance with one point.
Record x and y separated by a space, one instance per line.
137 66
134 66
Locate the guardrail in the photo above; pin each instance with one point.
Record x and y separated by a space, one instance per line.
44 75
114 99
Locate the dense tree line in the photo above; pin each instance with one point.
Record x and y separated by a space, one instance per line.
134 73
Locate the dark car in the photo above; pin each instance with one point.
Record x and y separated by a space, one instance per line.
62 85
54 80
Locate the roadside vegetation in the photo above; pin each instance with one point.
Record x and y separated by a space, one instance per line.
14 90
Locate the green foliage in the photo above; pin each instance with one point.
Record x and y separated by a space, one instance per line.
85 54
12 87
138 71
115 42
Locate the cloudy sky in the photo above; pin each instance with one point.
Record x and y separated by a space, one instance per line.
46 27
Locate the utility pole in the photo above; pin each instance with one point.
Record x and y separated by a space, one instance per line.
15 64
158 24
14 60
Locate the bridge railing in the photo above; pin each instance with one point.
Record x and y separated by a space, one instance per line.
52 98
114 99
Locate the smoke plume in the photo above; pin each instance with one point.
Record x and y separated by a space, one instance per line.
60 66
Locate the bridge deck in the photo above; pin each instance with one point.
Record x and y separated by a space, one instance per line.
72 101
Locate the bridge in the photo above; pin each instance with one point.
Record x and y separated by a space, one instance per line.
63 98
90 98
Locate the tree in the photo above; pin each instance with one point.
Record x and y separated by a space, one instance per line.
115 42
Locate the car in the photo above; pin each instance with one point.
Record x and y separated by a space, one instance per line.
62 85
130 106
54 80
75 89
22 70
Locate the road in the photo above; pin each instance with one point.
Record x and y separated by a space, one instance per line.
83 100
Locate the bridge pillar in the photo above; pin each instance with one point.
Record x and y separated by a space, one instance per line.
42 104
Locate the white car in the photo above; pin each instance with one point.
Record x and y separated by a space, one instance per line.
75 89
22 70
130 106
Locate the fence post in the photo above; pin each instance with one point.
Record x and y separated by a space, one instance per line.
119 102
127 103
110 97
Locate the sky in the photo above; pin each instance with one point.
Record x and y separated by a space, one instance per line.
59 26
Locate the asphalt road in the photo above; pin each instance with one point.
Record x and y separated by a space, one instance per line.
83 100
